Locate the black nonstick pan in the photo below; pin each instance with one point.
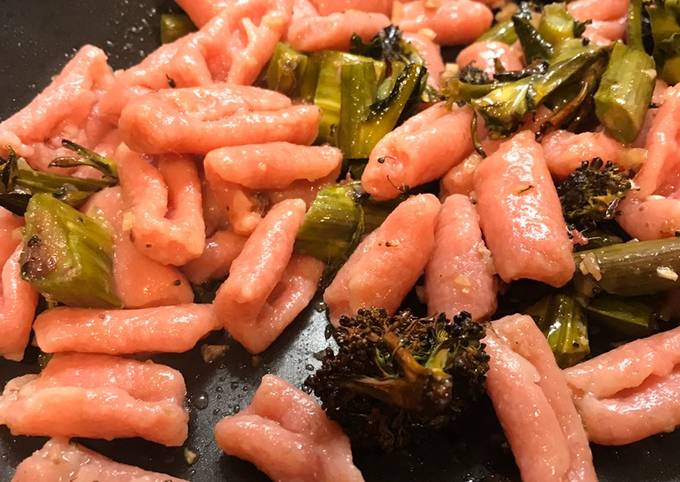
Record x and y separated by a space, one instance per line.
36 39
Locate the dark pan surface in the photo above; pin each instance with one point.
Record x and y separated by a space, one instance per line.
36 38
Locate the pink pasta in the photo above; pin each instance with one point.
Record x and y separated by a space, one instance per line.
533 404
388 262
98 396
418 151
460 273
139 280
164 205
165 329
198 120
60 459
267 288
283 420
310 31
63 110
521 215
629 393
454 22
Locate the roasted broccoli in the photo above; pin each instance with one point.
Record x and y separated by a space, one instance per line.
394 378
592 193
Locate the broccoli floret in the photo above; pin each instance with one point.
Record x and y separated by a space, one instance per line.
472 75
592 193
396 377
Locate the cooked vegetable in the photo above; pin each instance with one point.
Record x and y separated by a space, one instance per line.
336 221
286 70
591 193
385 45
395 377
358 92
625 91
666 34
561 318
67 256
385 113
18 182
504 107
556 25
534 45
623 317
501 32
174 26
629 269
88 158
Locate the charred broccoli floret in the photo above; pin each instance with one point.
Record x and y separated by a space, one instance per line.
592 193
395 377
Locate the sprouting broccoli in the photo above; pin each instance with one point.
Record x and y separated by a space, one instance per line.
396 377
472 75
385 45
19 181
592 193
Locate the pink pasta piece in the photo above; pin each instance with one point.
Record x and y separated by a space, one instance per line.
431 54
565 151
17 308
267 288
233 46
202 11
140 281
483 55
597 9
604 32
521 215
98 396
198 120
310 32
61 460
287 435
63 110
326 7
630 393
164 204
388 262
418 151
303 189
287 171
460 273
460 178
533 404
272 166
454 22
165 329
220 250
653 211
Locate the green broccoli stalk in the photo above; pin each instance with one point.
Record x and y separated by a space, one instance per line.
592 192
394 378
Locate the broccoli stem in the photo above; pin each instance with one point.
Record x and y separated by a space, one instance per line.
383 115
501 32
286 70
627 84
556 25
87 158
665 30
534 46
562 320
336 221
67 256
407 392
18 182
629 269
358 92
623 317
174 26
